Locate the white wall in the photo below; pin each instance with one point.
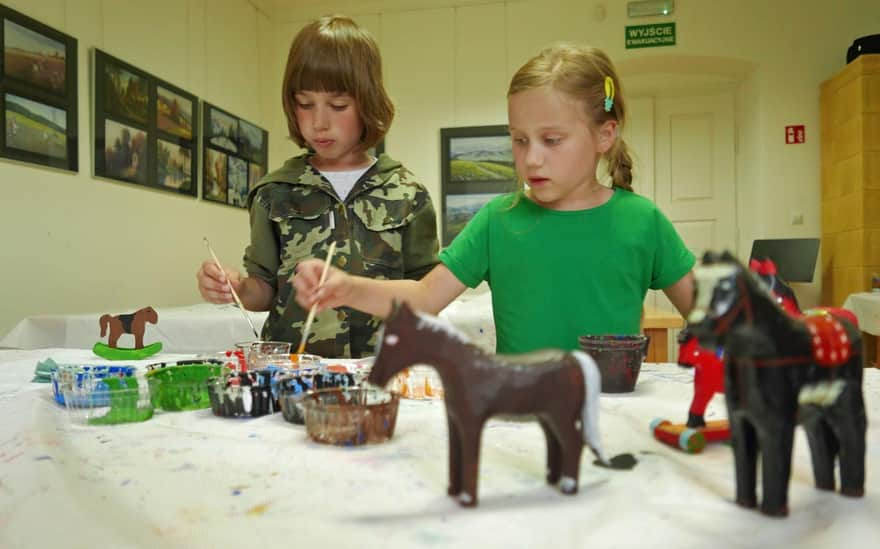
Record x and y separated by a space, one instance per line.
75 243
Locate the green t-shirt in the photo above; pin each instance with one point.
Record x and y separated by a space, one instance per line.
557 275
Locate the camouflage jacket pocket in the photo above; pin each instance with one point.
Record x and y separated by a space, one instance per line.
380 239
303 227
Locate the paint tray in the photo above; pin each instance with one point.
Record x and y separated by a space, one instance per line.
349 416
108 400
69 376
246 394
296 385
176 386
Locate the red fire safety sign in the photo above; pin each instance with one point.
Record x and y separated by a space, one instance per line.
794 135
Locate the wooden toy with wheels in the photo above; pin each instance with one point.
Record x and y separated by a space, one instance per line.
690 439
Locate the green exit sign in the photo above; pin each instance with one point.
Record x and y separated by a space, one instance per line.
650 36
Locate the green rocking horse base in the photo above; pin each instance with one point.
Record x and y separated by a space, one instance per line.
117 353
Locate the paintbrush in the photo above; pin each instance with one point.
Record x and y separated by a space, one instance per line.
311 317
231 289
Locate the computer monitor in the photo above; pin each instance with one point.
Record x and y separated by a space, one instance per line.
795 258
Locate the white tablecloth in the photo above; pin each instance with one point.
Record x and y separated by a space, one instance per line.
866 306
205 327
189 479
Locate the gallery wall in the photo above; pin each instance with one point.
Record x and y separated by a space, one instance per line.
75 243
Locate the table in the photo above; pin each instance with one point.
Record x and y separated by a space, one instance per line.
205 327
866 307
189 479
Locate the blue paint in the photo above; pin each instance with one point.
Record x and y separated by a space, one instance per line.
236 492
43 458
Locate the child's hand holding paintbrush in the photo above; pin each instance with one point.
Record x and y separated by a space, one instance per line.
313 309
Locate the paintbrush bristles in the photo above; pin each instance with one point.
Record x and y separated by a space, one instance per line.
311 317
231 289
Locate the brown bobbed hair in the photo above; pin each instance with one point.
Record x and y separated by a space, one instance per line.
580 72
333 54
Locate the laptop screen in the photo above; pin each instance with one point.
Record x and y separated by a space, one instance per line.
795 258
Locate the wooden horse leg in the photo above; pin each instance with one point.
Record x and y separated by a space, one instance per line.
572 442
823 445
554 455
744 442
139 336
851 428
114 336
455 457
776 443
470 462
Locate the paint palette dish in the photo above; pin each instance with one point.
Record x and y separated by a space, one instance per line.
70 376
246 394
350 416
108 401
295 386
183 385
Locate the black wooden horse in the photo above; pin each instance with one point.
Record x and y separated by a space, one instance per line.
561 389
780 369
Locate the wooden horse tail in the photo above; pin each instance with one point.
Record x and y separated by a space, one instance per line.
590 409
104 321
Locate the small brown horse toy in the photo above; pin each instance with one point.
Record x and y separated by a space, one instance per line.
780 370
133 323
561 389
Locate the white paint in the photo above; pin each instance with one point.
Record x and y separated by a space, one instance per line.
824 393
590 411
465 498
567 484
391 340
707 277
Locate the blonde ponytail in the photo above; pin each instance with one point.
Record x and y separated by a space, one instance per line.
620 165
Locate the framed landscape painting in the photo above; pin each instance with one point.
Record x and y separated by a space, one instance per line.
476 165
145 128
38 93
236 154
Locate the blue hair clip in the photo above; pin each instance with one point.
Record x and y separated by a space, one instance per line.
609 93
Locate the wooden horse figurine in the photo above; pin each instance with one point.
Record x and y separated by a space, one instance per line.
709 367
133 323
780 369
560 389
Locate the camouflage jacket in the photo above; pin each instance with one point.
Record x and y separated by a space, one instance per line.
385 229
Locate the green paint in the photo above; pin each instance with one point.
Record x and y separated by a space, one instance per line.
183 387
115 353
654 35
124 396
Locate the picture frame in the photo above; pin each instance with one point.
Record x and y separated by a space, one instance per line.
235 153
38 76
145 129
476 165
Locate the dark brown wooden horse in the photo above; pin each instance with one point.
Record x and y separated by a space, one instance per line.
560 389
133 323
